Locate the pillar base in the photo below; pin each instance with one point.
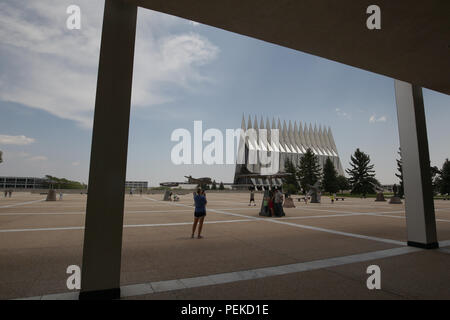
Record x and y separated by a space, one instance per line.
432 245
108 294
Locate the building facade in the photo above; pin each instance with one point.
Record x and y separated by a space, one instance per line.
293 139
136 184
22 183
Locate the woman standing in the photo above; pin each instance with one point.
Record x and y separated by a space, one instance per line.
271 198
200 212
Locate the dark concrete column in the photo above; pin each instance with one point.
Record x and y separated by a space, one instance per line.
420 217
104 213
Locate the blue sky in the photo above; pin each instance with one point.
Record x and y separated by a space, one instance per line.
184 71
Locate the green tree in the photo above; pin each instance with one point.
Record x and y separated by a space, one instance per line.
329 181
291 184
434 172
221 186
444 181
343 183
214 185
435 179
62 183
1 158
308 171
289 188
399 175
203 186
362 175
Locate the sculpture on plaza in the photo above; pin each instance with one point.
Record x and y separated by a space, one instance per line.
380 194
167 195
395 199
315 193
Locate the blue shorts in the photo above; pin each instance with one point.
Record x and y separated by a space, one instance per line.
199 214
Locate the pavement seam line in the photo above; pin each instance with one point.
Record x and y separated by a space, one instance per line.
251 274
354 235
21 204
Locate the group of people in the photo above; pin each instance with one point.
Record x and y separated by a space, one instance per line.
272 206
273 203
132 191
173 197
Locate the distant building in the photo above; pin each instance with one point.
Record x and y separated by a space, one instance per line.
136 184
22 183
293 141
388 187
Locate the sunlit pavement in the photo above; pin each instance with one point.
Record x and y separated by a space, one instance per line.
318 251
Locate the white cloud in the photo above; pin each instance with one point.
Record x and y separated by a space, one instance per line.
23 154
18 156
15 140
38 158
76 163
14 155
343 114
373 118
55 69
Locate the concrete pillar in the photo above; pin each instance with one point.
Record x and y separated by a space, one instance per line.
104 213
420 217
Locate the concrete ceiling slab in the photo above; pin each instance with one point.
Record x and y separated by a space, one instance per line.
412 45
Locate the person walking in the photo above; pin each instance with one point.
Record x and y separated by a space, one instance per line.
199 212
252 198
60 195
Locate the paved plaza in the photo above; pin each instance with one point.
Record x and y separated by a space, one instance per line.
318 251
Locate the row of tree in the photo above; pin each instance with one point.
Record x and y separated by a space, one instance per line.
440 178
443 180
308 173
361 175
213 186
62 183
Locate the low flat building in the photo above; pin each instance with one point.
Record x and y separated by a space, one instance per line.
22 183
136 184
